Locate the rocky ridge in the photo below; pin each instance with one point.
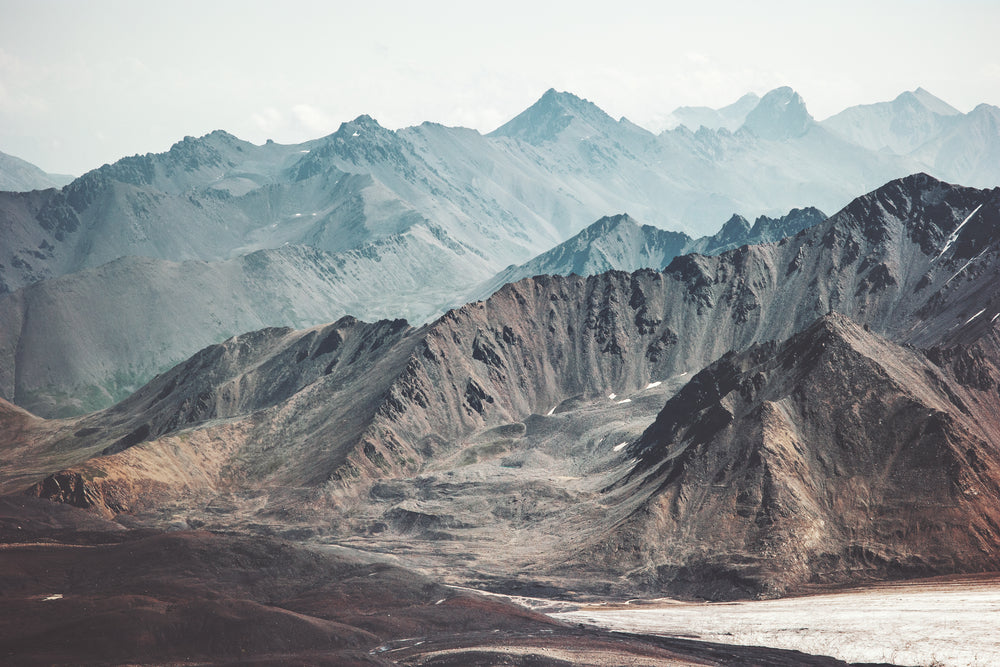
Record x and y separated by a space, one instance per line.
357 406
831 457
622 244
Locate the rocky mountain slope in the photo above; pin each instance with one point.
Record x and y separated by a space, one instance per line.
217 197
620 243
509 421
69 345
831 457
424 217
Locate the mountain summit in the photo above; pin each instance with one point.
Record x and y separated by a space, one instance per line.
554 113
780 114
906 123
930 101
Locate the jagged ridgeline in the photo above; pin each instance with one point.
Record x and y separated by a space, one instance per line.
218 236
364 424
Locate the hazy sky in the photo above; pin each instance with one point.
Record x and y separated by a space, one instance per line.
87 82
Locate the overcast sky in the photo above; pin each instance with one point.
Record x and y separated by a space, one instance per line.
87 82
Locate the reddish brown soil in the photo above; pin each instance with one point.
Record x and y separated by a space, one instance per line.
76 589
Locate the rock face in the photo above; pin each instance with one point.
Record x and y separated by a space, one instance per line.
67 345
832 457
70 345
385 432
738 232
612 243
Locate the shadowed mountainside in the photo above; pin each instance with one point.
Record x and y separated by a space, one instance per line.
281 427
832 457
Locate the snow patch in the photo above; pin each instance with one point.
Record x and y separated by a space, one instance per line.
54 596
626 400
975 316
994 318
297 215
304 151
441 600
954 235
620 446
612 396
653 384
355 134
549 413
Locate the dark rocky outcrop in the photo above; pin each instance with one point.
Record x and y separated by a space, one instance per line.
832 457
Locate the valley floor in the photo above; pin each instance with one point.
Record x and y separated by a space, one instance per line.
943 621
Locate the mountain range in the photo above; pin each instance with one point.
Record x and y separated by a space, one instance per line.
816 410
621 243
347 401
503 197
219 236
67 345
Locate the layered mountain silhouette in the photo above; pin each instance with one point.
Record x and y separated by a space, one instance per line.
379 223
86 321
68 345
620 243
730 117
503 197
901 126
959 147
511 419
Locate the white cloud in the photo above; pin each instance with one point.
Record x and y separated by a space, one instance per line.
315 121
268 120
